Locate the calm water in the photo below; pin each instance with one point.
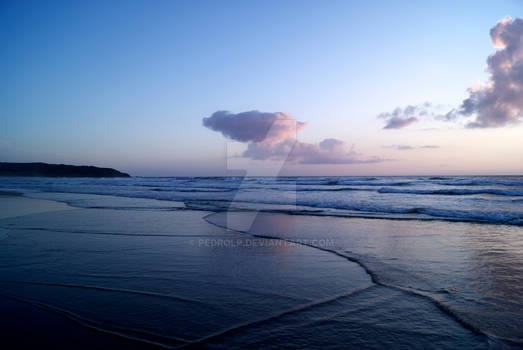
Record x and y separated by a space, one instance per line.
437 259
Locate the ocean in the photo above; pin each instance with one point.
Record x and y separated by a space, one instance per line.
482 199
233 262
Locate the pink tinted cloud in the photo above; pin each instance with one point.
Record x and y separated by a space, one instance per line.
254 126
328 151
500 101
272 136
497 103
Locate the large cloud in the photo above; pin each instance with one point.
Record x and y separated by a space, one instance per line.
272 136
500 101
254 126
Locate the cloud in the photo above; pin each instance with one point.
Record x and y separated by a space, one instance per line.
500 101
408 148
398 123
402 117
400 147
254 126
272 136
328 151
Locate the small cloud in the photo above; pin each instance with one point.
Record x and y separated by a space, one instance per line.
398 122
399 147
403 117
408 148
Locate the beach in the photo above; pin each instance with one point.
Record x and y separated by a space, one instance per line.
261 175
143 272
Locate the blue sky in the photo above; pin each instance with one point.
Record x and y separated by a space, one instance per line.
126 84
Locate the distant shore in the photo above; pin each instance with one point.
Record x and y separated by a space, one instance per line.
56 170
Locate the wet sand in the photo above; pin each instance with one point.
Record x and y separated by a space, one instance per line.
13 204
24 325
168 277
164 277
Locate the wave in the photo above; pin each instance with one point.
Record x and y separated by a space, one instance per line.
504 217
10 193
479 216
337 189
339 207
208 189
363 211
507 218
483 205
480 183
355 183
456 192
322 181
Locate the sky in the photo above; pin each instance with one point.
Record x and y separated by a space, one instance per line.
184 88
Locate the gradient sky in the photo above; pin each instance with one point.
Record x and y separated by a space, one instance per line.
126 84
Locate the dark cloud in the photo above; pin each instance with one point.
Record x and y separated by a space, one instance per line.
398 123
402 117
272 136
254 126
500 101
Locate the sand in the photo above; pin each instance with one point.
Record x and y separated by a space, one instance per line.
16 205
